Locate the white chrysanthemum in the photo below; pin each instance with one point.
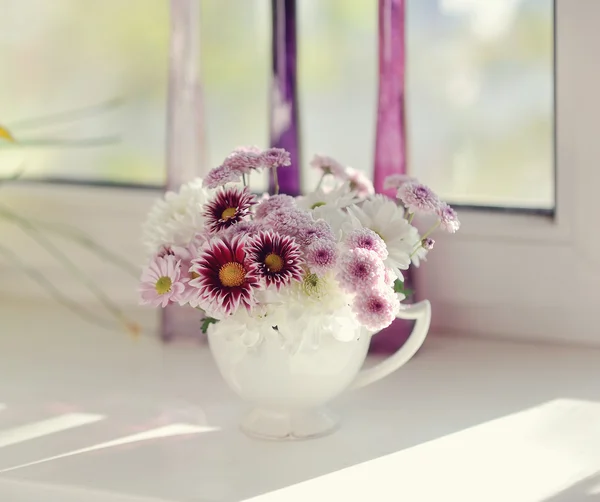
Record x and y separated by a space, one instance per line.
177 217
318 307
339 197
337 219
385 218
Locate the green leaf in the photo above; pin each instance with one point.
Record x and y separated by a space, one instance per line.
206 322
399 288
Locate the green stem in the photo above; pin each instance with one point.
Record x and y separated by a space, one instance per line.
276 181
244 180
41 239
320 181
411 217
428 233
56 293
416 249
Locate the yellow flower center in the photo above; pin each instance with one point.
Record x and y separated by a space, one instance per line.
163 285
312 285
228 213
317 204
194 275
274 262
232 274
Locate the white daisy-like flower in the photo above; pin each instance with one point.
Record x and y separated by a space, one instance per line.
386 219
339 197
177 218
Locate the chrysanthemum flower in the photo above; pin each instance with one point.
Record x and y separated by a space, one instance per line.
243 229
376 309
321 256
360 270
365 238
388 221
329 165
176 219
339 197
448 218
221 175
273 204
359 183
288 221
161 282
243 161
225 280
396 181
275 157
319 230
229 207
428 243
276 258
417 197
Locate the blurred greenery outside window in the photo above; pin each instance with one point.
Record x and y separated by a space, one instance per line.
479 89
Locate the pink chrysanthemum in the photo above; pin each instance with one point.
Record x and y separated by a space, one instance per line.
319 230
359 183
365 238
321 256
276 257
288 221
161 282
229 207
417 197
427 243
389 277
243 229
360 270
243 161
275 157
377 308
329 166
274 203
448 218
396 181
220 176
225 280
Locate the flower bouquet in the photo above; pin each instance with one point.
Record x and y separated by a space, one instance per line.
292 288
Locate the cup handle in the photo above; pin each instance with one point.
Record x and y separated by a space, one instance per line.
421 313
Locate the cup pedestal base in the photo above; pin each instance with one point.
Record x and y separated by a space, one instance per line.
289 425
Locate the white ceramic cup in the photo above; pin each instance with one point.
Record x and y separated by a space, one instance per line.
288 391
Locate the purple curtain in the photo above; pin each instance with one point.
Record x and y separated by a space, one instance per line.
390 139
283 98
185 134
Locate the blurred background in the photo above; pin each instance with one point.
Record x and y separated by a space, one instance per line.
479 89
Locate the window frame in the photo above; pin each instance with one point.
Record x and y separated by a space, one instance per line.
504 274
533 277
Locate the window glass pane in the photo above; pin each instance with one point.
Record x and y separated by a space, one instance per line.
479 94
480 99
479 88
337 58
69 54
62 55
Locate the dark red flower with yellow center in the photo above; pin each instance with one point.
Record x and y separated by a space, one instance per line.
277 258
230 206
225 279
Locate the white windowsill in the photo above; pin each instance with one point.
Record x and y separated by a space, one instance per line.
467 420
